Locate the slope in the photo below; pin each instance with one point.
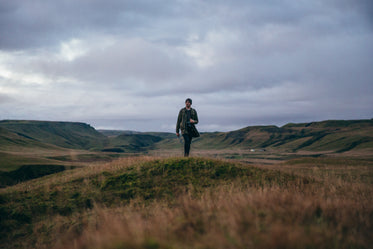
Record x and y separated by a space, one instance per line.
9 140
137 142
326 136
64 134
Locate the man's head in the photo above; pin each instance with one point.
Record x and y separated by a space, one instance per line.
188 102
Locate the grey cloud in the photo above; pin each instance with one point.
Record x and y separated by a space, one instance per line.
363 8
25 24
250 62
134 59
126 64
6 99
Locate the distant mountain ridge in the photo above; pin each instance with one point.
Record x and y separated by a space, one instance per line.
330 135
45 144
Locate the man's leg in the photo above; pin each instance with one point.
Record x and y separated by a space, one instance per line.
187 141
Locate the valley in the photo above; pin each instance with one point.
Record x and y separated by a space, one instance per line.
25 143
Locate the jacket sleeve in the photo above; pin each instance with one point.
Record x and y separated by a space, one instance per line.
196 117
178 122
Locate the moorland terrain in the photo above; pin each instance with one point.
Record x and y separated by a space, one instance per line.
67 185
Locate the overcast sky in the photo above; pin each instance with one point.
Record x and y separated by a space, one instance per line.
120 64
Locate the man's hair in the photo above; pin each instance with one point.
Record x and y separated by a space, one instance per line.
188 100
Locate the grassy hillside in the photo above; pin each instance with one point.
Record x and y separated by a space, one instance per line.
326 136
114 133
12 140
333 136
187 203
25 144
64 134
64 143
133 142
12 161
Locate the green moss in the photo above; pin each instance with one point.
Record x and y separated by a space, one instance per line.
170 177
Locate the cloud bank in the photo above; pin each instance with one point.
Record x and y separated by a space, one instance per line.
131 64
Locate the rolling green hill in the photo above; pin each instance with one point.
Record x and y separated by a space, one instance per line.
25 143
325 136
55 143
132 142
11 139
334 136
114 133
63 134
18 149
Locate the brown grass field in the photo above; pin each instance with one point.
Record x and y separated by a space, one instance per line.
298 203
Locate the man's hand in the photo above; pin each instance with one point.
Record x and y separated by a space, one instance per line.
192 121
177 134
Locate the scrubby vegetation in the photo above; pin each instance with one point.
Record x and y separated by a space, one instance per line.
145 202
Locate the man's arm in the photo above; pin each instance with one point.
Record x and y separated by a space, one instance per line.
178 123
195 118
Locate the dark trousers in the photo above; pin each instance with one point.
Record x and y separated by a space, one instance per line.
187 142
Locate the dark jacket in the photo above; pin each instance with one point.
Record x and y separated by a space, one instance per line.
182 120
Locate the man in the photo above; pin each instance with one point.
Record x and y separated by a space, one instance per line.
187 117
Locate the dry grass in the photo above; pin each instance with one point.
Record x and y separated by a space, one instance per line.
226 218
332 213
335 211
86 172
337 170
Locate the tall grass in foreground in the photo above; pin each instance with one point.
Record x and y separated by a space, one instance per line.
192 203
225 217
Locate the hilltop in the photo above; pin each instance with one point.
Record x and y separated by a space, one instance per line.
147 202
